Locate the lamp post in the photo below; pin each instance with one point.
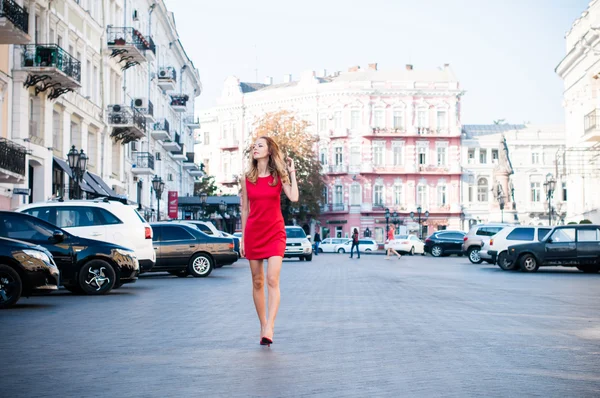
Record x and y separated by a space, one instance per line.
501 202
549 185
222 210
159 186
420 217
387 222
203 197
78 164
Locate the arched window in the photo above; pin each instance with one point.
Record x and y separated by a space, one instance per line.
482 190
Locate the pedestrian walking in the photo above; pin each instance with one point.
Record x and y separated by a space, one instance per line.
391 250
354 243
263 230
317 242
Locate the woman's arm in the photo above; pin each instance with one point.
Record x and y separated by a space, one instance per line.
245 212
291 190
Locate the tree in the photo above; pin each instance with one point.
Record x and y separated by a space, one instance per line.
205 185
293 137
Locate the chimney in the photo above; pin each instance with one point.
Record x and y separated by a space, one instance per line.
287 78
409 67
354 68
373 66
268 80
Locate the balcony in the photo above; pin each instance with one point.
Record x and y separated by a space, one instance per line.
180 154
433 169
591 126
188 163
191 122
197 171
145 107
338 133
229 144
127 123
160 130
167 78
337 208
382 132
172 143
179 102
14 22
129 46
338 169
144 164
49 67
228 179
368 168
12 162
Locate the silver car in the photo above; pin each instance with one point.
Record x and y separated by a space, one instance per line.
478 236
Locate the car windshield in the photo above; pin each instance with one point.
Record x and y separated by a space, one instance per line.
295 233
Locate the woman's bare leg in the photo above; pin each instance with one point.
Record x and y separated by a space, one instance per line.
273 272
258 292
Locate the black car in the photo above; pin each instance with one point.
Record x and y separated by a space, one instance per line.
567 245
86 266
25 269
444 243
182 250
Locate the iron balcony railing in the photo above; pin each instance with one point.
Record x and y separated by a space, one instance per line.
51 56
591 120
15 14
144 160
161 125
167 72
179 99
121 36
12 157
119 115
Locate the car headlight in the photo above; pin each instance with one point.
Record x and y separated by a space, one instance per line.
38 255
124 252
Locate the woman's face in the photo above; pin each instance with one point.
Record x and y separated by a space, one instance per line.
260 150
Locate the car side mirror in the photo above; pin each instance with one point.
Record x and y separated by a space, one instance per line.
549 240
58 236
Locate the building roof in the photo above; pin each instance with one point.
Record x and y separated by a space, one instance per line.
473 130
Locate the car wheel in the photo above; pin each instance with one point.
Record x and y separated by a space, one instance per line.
181 273
588 269
474 256
368 250
320 250
200 266
436 251
300 258
96 277
308 258
529 263
505 263
341 250
11 286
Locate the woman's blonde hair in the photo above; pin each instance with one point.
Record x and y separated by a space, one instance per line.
276 165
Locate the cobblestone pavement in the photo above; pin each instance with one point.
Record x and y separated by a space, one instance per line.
372 327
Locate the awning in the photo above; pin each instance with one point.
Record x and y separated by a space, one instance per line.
91 183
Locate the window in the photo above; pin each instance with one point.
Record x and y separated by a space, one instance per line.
483 156
536 193
295 233
337 119
470 189
588 235
422 195
563 235
398 154
542 232
324 156
56 131
74 216
322 122
488 231
525 234
397 199
421 118
206 138
355 155
564 191
338 156
441 119
24 228
378 195
494 156
224 132
88 74
339 195
354 119
398 120
441 195
325 195
482 190
441 155
422 155
378 119
471 156
355 199
378 155
95 85
171 233
535 158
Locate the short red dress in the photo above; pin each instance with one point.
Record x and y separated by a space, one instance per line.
264 232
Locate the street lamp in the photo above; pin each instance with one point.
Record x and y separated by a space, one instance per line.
222 210
387 221
420 217
203 197
159 186
501 202
549 185
78 164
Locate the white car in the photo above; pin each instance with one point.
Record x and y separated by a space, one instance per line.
364 245
407 244
100 219
497 248
297 244
328 245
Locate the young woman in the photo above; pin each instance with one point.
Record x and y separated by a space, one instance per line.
263 231
390 250
354 243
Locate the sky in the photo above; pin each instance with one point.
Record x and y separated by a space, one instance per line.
503 52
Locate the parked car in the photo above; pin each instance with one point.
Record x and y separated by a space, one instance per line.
297 244
328 245
236 241
498 244
205 226
86 266
406 244
100 219
365 245
182 250
475 239
25 269
567 245
445 243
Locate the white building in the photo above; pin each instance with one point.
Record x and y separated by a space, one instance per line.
532 152
580 71
112 79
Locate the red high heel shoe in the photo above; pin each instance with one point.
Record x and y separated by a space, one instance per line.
266 341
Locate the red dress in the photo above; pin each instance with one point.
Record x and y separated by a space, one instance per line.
264 234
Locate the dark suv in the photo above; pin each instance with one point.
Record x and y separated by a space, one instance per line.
567 245
444 243
25 269
86 266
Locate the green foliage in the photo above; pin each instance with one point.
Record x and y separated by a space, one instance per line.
586 221
206 185
571 223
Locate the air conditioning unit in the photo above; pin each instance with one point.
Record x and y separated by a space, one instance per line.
140 103
169 177
157 156
116 108
162 73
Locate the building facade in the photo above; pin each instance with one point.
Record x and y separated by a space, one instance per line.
111 79
387 140
531 152
579 162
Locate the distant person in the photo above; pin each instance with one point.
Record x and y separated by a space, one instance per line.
317 242
390 250
263 227
354 243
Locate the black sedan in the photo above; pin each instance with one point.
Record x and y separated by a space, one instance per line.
182 250
444 243
25 269
86 266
